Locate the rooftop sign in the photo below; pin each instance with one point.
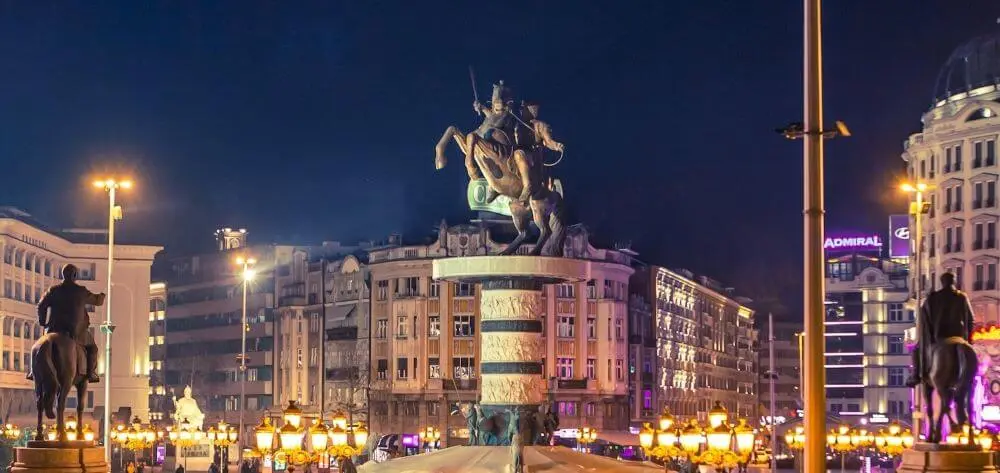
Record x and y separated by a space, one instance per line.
852 243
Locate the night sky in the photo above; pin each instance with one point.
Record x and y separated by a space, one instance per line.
304 121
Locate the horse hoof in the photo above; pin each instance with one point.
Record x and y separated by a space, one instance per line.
439 162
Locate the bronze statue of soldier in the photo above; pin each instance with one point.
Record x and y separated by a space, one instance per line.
948 365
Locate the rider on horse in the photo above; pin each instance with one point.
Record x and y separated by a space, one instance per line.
68 302
946 314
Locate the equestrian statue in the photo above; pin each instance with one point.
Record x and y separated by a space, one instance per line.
507 150
66 355
944 360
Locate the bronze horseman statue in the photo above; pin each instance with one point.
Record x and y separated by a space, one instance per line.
66 356
507 150
944 361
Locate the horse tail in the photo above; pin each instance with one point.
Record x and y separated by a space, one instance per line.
557 223
968 364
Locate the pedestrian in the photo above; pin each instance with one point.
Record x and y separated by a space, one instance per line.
180 469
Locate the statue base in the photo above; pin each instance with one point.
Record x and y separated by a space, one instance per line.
59 457
943 458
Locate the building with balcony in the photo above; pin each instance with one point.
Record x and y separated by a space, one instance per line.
866 320
787 371
202 329
33 257
705 347
425 338
340 312
956 156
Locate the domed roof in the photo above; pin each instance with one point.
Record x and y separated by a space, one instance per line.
972 65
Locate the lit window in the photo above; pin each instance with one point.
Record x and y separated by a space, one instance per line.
152 340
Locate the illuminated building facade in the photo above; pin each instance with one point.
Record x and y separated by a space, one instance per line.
159 402
425 337
787 368
956 155
705 347
866 318
33 256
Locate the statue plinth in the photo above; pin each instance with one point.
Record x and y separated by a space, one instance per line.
59 457
510 331
943 458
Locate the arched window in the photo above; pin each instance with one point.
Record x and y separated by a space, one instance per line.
981 114
48 268
19 258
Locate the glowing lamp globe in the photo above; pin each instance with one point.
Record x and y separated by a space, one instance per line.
361 435
88 434
718 415
666 420
907 439
691 438
291 438
719 437
292 415
71 422
318 437
339 419
264 435
338 436
646 437
744 437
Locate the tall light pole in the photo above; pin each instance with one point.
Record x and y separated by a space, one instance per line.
247 274
111 186
916 248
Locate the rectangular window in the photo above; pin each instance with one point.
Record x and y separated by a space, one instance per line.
401 327
948 239
565 327
564 368
591 368
464 289
565 291
408 287
435 289
433 368
381 327
17 361
958 239
947 162
464 367
382 369
591 328
6 361
402 371
895 344
567 408
991 152
591 289
933 165
991 194
434 325
381 290
896 312
620 369
897 376
619 329
977 154
977 195
465 326
977 240
958 157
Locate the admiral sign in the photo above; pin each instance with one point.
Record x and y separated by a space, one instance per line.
853 243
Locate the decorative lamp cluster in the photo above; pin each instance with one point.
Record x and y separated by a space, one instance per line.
969 436
134 437
894 440
339 440
719 445
11 431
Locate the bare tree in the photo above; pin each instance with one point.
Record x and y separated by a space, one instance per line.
350 382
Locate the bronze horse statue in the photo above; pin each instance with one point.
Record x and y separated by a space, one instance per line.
504 166
58 363
953 369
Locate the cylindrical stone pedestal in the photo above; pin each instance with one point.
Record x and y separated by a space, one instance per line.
59 457
511 346
510 330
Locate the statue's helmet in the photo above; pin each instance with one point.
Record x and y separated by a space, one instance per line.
501 94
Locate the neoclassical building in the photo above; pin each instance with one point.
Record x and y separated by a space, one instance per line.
956 155
33 256
425 338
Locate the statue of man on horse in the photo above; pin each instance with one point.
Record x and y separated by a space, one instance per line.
506 150
66 356
944 361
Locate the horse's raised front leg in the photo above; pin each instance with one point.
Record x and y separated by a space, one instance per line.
440 160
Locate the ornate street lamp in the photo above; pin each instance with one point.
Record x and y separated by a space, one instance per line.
339 441
10 431
222 436
430 437
586 436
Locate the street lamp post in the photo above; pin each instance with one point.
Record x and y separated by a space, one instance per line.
247 274
111 186
916 245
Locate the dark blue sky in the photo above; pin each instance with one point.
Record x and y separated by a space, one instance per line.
305 120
